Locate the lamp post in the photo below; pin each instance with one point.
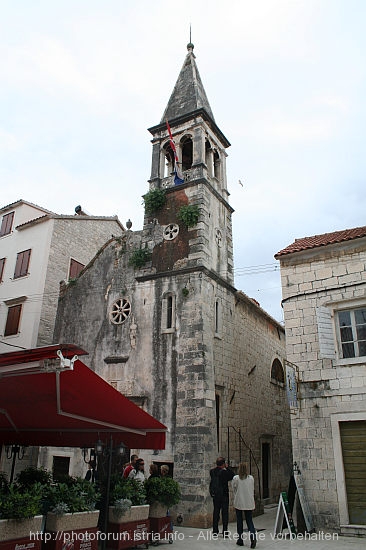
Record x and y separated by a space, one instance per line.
12 452
105 456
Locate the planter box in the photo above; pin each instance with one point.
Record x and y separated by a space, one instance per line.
135 513
72 522
128 535
18 529
157 510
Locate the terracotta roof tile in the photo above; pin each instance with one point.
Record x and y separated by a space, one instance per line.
307 243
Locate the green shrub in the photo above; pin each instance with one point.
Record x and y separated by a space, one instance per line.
17 504
139 257
73 495
28 477
126 488
154 200
189 215
162 489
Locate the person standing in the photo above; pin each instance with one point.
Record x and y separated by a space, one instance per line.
138 471
153 470
130 466
91 473
243 489
219 490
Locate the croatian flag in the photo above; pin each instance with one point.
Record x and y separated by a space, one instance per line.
178 176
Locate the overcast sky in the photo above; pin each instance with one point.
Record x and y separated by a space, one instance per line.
82 80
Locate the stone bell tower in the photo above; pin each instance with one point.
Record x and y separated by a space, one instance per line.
200 147
192 274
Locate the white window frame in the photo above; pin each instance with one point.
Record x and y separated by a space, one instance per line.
354 340
165 329
335 307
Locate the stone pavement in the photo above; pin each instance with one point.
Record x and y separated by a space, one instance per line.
201 539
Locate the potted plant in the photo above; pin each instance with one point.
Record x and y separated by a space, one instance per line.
72 505
127 501
20 510
161 494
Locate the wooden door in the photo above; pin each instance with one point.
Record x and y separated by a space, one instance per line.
353 439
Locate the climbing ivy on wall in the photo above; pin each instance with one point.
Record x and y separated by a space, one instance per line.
154 200
139 257
189 215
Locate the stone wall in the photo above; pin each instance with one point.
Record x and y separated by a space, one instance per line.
77 238
315 284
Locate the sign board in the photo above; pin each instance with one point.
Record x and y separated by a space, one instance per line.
304 503
291 386
284 517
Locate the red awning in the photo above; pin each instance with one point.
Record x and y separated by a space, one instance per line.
45 403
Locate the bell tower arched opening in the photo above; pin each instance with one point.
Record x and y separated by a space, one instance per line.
168 156
187 153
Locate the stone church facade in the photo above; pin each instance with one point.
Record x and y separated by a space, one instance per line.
158 314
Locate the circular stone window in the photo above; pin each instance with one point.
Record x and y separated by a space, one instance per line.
171 231
119 312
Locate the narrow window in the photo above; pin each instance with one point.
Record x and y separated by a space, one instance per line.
75 268
168 313
13 320
218 320
2 265
352 332
6 224
22 264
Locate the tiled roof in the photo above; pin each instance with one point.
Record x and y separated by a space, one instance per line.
307 243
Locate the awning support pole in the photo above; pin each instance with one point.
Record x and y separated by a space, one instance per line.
109 473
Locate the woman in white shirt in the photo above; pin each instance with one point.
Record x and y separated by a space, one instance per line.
243 489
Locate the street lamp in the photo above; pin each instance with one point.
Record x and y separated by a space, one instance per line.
12 452
105 455
86 451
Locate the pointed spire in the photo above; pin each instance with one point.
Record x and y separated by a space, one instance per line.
189 94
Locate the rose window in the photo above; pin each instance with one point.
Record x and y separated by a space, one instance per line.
171 231
120 310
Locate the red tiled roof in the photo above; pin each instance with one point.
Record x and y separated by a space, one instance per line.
306 243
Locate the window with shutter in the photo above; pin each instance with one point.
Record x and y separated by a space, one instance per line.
2 265
22 264
6 224
75 268
325 333
13 320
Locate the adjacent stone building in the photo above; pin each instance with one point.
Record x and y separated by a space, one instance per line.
38 249
324 302
157 312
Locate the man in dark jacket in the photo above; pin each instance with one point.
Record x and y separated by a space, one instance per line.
219 490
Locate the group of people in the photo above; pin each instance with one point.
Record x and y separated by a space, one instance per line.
135 469
244 503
